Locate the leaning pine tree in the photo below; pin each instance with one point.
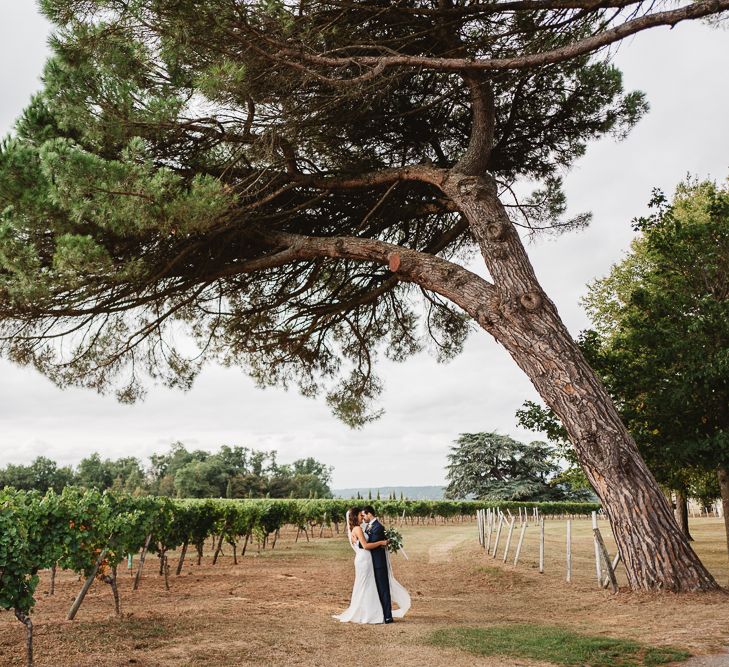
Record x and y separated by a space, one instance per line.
282 179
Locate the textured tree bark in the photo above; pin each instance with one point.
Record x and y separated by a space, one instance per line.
181 562
654 550
142 557
682 513
111 580
723 475
28 623
218 549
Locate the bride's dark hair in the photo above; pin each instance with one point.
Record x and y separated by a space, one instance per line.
354 516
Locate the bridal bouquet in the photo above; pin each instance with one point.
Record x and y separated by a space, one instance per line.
394 541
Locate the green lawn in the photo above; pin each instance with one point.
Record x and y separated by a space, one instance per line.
556 645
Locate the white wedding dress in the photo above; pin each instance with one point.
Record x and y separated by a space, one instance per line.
365 605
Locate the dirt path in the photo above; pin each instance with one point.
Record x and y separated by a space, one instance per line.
441 551
717 660
275 609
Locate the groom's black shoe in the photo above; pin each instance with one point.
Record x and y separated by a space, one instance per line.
389 620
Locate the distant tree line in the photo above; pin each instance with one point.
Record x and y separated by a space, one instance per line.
231 472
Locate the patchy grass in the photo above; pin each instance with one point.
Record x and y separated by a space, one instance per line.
556 645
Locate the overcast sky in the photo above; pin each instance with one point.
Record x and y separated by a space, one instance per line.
685 73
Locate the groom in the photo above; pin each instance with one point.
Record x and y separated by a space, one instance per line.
375 532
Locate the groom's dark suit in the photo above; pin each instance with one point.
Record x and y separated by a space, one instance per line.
376 532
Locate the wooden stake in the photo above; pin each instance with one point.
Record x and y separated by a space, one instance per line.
85 588
606 558
521 540
616 560
598 569
541 546
508 539
498 535
569 551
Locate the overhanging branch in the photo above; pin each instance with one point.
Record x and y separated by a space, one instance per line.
459 285
581 47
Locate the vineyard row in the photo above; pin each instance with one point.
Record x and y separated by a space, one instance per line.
91 532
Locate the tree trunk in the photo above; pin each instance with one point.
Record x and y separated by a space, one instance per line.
54 568
142 556
682 513
521 317
166 571
111 580
182 558
28 623
723 475
218 549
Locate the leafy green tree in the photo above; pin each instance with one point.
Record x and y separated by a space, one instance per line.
662 339
42 474
284 179
489 466
201 479
537 418
94 473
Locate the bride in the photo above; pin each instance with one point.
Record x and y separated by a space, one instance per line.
365 605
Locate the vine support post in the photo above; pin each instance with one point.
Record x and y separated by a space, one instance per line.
85 588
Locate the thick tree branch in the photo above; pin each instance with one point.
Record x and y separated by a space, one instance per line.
490 7
483 112
466 289
423 173
696 10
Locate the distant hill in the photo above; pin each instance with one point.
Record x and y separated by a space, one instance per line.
410 492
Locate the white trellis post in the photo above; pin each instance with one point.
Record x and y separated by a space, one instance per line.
569 551
508 539
541 546
598 568
521 541
498 534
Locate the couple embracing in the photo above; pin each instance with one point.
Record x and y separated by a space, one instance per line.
375 587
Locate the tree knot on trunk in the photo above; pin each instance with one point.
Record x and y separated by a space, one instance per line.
393 262
495 231
467 185
531 301
479 187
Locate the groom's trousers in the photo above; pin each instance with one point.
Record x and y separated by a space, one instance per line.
382 580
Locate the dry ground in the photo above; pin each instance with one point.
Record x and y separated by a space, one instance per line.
275 607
